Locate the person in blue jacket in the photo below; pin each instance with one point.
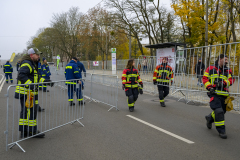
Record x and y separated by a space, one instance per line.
81 68
72 72
45 73
39 72
81 86
7 69
18 65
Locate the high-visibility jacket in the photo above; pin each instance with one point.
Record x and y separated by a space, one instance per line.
7 68
163 74
72 72
131 78
45 70
215 74
27 74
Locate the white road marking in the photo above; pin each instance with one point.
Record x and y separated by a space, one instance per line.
162 130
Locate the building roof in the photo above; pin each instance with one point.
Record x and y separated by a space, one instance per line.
165 45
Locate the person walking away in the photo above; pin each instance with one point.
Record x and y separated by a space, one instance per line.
80 86
144 64
45 73
7 69
28 74
71 73
199 69
18 65
217 80
130 81
162 76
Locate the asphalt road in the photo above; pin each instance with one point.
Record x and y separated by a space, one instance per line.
150 132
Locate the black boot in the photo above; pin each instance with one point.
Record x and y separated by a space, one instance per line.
40 109
39 89
162 104
45 90
23 134
223 135
42 135
72 104
81 103
131 109
209 124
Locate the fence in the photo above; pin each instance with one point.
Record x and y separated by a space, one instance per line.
185 83
58 112
100 88
2 81
189 80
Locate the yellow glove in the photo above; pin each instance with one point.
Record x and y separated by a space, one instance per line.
228 102
29 100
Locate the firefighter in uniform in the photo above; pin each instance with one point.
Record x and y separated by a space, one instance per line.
7 69
162 75
130 80
39 73
81 86
45 73
217 79
27 74
72 72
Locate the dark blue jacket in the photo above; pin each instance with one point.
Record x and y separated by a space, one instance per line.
72 72
18 65
39 68
45 70
7 68
81 68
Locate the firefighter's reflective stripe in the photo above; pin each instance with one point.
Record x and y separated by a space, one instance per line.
41 80
26 64
124 75
71 83
70 100
222 93
131 85
79 99
6 65
162 100
68 67
154 78
8 72
220 123
139 80
207 84
27 122
163 80
124 81
76 72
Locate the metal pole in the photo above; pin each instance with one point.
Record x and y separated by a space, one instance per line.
130 47
206 26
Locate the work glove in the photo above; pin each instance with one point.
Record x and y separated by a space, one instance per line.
85 74
154 82
123 86
211 89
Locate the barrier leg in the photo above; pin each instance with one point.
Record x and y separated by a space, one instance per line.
18 146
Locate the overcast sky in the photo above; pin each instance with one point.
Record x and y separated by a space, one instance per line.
21 19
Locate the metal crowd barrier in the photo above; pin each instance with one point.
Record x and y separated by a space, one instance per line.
187 81
100 88
2 81
58 112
